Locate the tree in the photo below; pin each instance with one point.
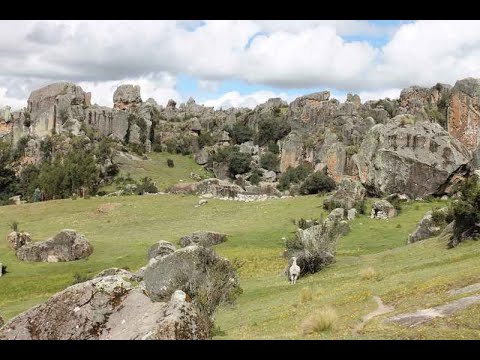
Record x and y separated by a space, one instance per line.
240 133
318 182
270 161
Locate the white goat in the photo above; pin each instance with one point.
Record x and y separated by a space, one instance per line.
294 271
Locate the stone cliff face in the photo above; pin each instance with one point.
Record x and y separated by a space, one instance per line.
331 136
464 112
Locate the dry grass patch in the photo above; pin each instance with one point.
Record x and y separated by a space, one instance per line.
306 295
368 273
321 320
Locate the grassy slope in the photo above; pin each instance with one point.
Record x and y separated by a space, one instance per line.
121 229
156 168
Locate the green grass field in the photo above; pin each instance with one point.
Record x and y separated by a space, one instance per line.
121 230
156 168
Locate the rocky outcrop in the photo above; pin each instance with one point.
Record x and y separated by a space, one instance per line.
127 97
349 193
17 239
51 106
311 112
464 112
204 238
196 270
336 214
201 157
382 209
109 307
67 245
420 101
426 228
216 187
408 157
161 248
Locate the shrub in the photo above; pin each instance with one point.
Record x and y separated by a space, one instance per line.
205 139
271 130
438 217
361 207
466 212
240 133
270 161
179 145
318 182
20 148
255 177
293 176
138 149
14 225
368 273
322 320
170 163
407 120
239 163
306 295
273 148
352 149
146 186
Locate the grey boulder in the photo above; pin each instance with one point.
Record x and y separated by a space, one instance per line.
67 245
204 238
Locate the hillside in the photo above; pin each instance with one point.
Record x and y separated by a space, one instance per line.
121 230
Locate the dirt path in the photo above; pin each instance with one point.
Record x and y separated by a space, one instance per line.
424 315
381 309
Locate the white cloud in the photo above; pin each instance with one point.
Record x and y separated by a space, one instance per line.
235 99
286 54
160 87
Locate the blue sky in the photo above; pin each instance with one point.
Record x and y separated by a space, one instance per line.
226 63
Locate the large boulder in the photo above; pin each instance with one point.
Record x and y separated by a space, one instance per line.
67 245
382 209
206 277
204 238
463 114
408 157
127 97
109 307
161 248
426 228
18 239
201 157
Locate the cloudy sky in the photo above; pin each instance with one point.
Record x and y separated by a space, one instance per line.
235 63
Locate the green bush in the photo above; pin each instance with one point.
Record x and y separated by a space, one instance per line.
466 212
270 161
271 130
205 139
146 185
361 207
239 163
438 217
255 177
273 148
318 182
240 133
170 163
294 176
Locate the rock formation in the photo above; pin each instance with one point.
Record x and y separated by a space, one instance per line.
67 245
204 238
408 157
